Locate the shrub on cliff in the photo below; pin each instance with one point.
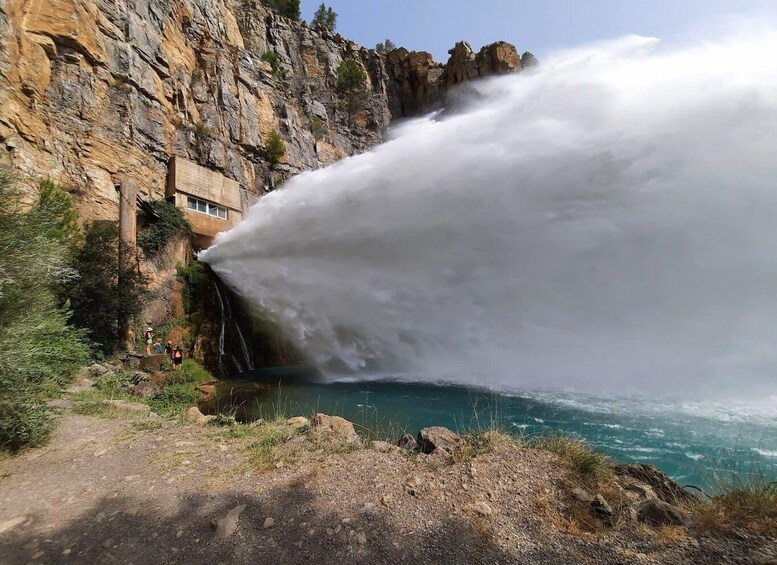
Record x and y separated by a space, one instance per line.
36 342
385 46
275 148
102 295
318 127
351 84
169 224
275 63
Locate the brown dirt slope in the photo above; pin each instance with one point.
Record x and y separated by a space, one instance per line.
134 489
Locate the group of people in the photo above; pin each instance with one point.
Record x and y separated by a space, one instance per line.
174 352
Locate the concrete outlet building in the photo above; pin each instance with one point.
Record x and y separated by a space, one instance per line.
211 201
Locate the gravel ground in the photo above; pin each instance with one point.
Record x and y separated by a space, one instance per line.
140 490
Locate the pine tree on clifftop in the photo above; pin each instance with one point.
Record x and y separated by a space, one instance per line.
325 18
287 8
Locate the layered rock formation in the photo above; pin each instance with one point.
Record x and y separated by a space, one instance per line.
418 83
96 91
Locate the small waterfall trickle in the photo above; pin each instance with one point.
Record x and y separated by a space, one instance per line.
241 358
223 327
247 357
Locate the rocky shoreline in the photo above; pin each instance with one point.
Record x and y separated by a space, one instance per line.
123 481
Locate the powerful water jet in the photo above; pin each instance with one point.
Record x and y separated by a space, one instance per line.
603 223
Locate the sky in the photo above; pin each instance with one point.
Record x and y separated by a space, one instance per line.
539 26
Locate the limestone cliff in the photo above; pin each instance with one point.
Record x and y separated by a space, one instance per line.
96 91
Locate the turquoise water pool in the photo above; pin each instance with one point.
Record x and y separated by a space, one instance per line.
690 441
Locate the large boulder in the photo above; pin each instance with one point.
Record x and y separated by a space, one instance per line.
439 440
339 427
601 508
659 513
194 416
638 476
498 58
97 369
152 363
146 389
528 60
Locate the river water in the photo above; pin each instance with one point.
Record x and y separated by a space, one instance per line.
695 443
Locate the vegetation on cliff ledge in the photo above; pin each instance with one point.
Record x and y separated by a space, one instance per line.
170 222
275 148
286 8
351 84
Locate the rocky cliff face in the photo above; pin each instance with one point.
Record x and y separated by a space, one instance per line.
96 91
417 83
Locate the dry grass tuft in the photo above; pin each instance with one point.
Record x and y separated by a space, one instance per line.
107 411
588 464
671 534
478 443
748 504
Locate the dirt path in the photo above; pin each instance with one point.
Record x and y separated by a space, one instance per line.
140 490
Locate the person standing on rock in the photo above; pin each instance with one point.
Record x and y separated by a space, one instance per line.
158 347
149 339
177 357
169 350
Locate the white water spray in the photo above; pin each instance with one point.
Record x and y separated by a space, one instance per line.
605 223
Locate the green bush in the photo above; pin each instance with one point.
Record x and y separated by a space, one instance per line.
582 459
169 224
318 127
24 421
351 84
385 46
36 342
114 384
190 372
197 277
224 420
275 62
102 295
174 399
56 206
275 148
